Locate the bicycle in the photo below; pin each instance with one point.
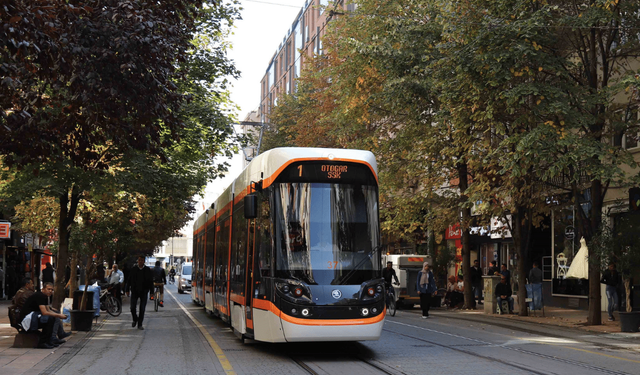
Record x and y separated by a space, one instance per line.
108 301
156 297
172 279
390 300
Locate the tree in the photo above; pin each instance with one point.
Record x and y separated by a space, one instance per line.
90 90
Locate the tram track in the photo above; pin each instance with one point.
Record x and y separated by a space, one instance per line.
477 343
376 368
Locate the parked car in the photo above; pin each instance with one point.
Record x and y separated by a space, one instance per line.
184 277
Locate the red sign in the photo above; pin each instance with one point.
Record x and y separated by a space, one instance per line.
5 231
453 232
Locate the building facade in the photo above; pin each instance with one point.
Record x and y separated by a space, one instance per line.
302 42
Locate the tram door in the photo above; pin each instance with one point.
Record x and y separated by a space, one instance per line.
223 228
249 282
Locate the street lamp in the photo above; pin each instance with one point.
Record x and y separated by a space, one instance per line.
262 125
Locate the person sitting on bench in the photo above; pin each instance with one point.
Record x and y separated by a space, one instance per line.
38 302
503 293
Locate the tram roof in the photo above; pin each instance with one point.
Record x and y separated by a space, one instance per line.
269 164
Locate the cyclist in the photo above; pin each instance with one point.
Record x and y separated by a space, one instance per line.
387 274
172 275
159 280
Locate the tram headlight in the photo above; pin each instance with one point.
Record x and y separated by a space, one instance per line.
371 291
379 288
294 311
374 310
364 312
305 312
285 288
297 292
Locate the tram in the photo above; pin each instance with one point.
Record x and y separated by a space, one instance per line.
290 251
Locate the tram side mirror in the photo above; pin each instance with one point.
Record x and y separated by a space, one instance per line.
250 206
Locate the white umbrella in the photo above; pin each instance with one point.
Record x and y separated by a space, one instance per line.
579 268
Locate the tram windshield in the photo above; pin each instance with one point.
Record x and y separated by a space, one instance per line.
327 232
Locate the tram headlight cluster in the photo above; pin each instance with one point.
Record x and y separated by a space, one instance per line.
294 291
306 312
372 291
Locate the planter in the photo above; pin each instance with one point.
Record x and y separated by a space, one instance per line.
629 321
81 320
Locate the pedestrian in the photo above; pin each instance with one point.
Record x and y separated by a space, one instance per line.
506 273
535 275
48 274
139 285
426 287
159 280
503 292
476 281
493 270
611 279
117 279
38 303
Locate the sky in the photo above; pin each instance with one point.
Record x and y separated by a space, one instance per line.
255 39
264 25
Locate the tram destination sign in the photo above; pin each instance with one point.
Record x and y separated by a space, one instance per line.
328 171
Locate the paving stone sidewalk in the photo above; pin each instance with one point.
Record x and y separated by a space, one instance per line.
31 361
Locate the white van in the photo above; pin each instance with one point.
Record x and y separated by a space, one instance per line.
184 277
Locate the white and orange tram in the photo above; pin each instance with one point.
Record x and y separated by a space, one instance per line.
289 251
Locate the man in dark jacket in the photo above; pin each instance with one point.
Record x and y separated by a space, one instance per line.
48 274
160 280
476 280
504 292
140 284
611 278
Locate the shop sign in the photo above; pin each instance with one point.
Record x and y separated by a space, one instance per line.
453 232
5 230
569 232
500 229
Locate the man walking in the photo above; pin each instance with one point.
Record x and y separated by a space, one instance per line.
476 280
139 285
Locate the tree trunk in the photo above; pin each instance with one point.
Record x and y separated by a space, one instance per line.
469 299
73 285
595 308
89 270
516 226
68 208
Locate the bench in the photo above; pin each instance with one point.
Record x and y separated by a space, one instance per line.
23 339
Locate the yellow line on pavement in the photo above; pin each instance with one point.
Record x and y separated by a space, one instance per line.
226 365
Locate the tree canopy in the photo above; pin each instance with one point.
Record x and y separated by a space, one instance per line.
497 105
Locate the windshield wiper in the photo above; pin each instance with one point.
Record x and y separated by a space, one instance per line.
357 266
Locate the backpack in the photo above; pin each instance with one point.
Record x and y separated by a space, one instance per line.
14 317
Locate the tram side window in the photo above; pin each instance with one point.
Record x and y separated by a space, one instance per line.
222 247
238 257
209 255
264 226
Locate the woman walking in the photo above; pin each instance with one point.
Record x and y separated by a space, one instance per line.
426 287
